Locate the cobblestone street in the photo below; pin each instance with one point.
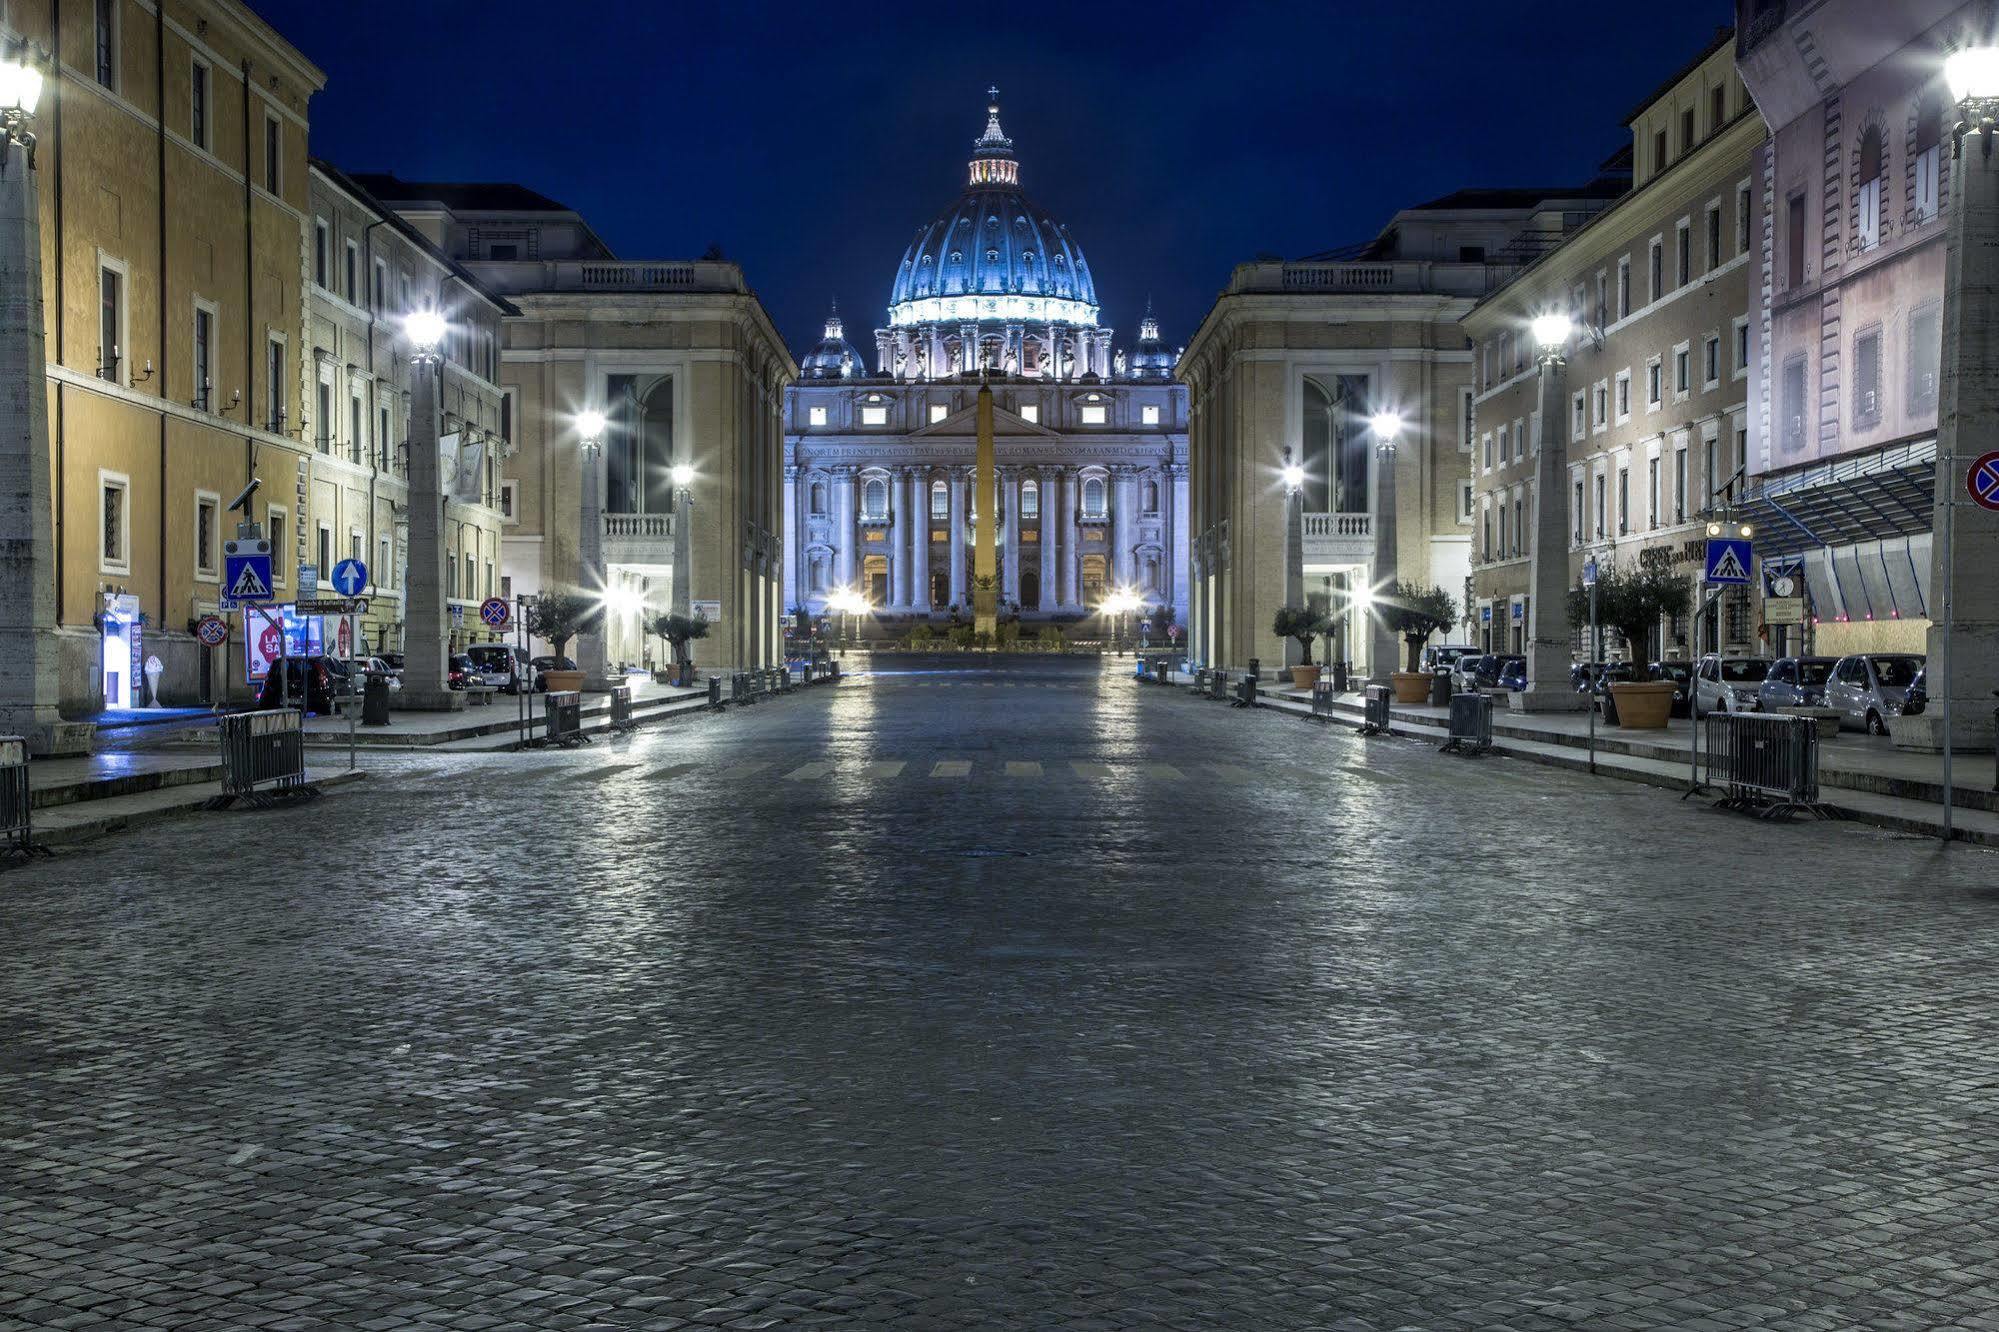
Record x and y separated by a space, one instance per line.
1034 998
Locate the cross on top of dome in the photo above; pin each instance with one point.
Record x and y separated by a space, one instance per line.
992 152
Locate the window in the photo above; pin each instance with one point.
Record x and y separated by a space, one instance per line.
1794 240
321 244
938 411
1093 413
1602 300
1601 394
1741 347
1683 370
1624 287
1576 511
1093 497
106 43
815 416
1505 354
1030 412
110 323
1030 500
940 500
1928 162
355 551
1623 396
1867 379
325 551
274 154
274 385
204 356
1471 254
380 299
1519 527
874 414
281 554
384 573
510 500
1148 415
1623 501
197 120
1488 451
1657 270
1577 416
874 498
207 533
1717 112
357 425
1742 219
352 275
1505 451
1686 130
1464 501
1867 203
324 412
1602 515
1679 485
1658 151
450 578
1793 397
1485 535
1925 357
384 441
1652 506
1714 255
1503 533
1711 361
1653 394
113 536
1683 255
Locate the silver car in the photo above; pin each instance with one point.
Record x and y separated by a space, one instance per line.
1797 682
1729 684
1867 689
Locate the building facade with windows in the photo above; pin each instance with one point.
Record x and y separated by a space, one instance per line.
1853 190
1291 363
365 269
1655 407
172 180
684 363
1090 441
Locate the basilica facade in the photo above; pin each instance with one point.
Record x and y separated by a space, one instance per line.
1090 440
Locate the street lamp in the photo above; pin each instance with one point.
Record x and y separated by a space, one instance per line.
1548 578
1387 425
592 649
1551 335
426 619
1973 76
20 93
683 537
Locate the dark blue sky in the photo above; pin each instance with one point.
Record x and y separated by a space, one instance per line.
810 140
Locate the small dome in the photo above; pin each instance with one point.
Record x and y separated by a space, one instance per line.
1151 359
834 357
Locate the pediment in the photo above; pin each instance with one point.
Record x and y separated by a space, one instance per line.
964 423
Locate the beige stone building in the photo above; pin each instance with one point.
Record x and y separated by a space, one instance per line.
1292 361
366 268
1659 287
173 189
683 360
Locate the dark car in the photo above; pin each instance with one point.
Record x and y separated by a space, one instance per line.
1681 673
1590 677
313 681
1916 700
461 671
1796 682
1484 673
395 660
1512 673
541 666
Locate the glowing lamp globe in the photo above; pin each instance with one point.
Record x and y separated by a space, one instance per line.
425 329
1551 331
1973 73
590 424
1387 425
20 88
683 475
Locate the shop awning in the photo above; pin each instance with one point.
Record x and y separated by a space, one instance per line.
1850 501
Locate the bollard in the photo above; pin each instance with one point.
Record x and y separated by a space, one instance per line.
375 702
715 692
1256 668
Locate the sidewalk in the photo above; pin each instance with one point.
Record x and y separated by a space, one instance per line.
1863 777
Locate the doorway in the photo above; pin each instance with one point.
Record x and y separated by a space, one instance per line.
122 660
874 574
1030 590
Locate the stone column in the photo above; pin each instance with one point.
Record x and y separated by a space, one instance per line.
1176 544
1072 541
793 581
843 525
1963 638
1548 652
1124 498
1045 527
955 480
1294 566
30 674
1010 534
426 620
1384 648
898 541
919 541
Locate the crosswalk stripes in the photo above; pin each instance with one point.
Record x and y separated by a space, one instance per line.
1092 771
885 769
803 767
1018 769
1166 770
743 769
951 768
808 772
670 770
1229 772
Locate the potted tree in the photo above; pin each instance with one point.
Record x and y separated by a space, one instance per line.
1415 612
560 616
1303 623
1632 603
680 630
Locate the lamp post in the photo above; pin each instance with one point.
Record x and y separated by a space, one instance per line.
683 536
1387 427
30 679
1293 477
591 650
426 616
1548 581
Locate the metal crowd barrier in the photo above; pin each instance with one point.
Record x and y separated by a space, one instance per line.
1374 702
1471 724
562 718
1769 764
621 708
17 832
1218 686
1245 693
263 756
1201 682
1322 700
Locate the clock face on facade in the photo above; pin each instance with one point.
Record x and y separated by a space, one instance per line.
1783 585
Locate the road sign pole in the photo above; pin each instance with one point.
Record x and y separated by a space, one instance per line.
1588 675
1949 541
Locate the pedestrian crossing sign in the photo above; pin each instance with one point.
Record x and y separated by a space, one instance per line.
1728 561
246 573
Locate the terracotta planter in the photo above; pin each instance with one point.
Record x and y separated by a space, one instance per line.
1411 686
1304 677
1643 705
559 682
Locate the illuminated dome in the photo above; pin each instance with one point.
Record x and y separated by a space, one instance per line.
993 256
834 357
1151 360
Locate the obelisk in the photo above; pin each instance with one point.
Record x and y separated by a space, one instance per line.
985 516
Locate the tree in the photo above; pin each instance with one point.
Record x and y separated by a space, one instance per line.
1631 602
561 615
679 630
1415 612
1305 622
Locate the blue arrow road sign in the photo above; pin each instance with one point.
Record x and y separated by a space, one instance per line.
1728 561
349 577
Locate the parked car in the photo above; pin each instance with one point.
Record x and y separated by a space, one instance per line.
1590 677
1796 682
460 671
395 660
501 665
1484 672
1512 673
1729 684
1681 673
1464 672
1868 690
377 666
1916 698
1444 656
314 680
543 665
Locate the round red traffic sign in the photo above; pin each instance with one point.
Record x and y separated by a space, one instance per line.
1983 481
213 631
494 612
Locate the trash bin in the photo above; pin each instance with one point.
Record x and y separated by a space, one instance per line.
375 701
1255 668
1440 689
1342 677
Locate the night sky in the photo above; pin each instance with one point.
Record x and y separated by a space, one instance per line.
810 140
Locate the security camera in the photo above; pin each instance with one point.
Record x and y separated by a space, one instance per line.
242 501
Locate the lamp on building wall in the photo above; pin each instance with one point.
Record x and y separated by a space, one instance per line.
1387 426
1973 76
683 539
20 94
1551 336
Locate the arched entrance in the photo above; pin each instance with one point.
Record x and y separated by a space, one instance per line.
874 577
1093 581
1030 589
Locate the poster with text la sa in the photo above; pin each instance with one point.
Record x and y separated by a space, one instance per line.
269 632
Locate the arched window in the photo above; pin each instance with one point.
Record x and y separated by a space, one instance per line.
1868 203
874 498
1030 500
1928 164
1152 497
940 500
1093 497
818 499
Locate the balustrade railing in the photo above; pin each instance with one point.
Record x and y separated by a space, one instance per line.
1339 524
644 526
